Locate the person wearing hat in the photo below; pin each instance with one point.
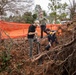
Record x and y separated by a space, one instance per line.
51 35
31 35
43 20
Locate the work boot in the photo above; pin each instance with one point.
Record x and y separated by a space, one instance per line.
47 47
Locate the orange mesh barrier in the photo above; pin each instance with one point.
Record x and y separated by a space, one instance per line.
9 26
15 30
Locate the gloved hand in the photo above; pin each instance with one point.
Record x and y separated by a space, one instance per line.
35 40
47 47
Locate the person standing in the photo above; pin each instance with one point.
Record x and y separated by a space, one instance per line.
43 20
31 35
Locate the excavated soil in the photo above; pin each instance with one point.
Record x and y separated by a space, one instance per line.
59 60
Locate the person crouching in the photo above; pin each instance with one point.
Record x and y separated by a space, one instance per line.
51 35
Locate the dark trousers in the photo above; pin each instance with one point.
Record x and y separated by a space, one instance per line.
54 39
43 29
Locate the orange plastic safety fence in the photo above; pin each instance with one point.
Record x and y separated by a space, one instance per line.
15 30
9 26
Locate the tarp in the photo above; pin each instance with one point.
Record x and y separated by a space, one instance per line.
15 30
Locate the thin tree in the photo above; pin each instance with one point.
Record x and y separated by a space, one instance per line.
57 10
72 8
15 6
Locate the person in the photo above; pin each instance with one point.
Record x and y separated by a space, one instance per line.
43 22
31 35
51 35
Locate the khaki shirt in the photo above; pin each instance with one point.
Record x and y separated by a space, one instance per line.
42 21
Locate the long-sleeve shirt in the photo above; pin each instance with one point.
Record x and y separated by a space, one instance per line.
43 20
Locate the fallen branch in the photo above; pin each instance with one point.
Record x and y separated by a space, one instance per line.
69 43
35 58
6 34
74 73
68 58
